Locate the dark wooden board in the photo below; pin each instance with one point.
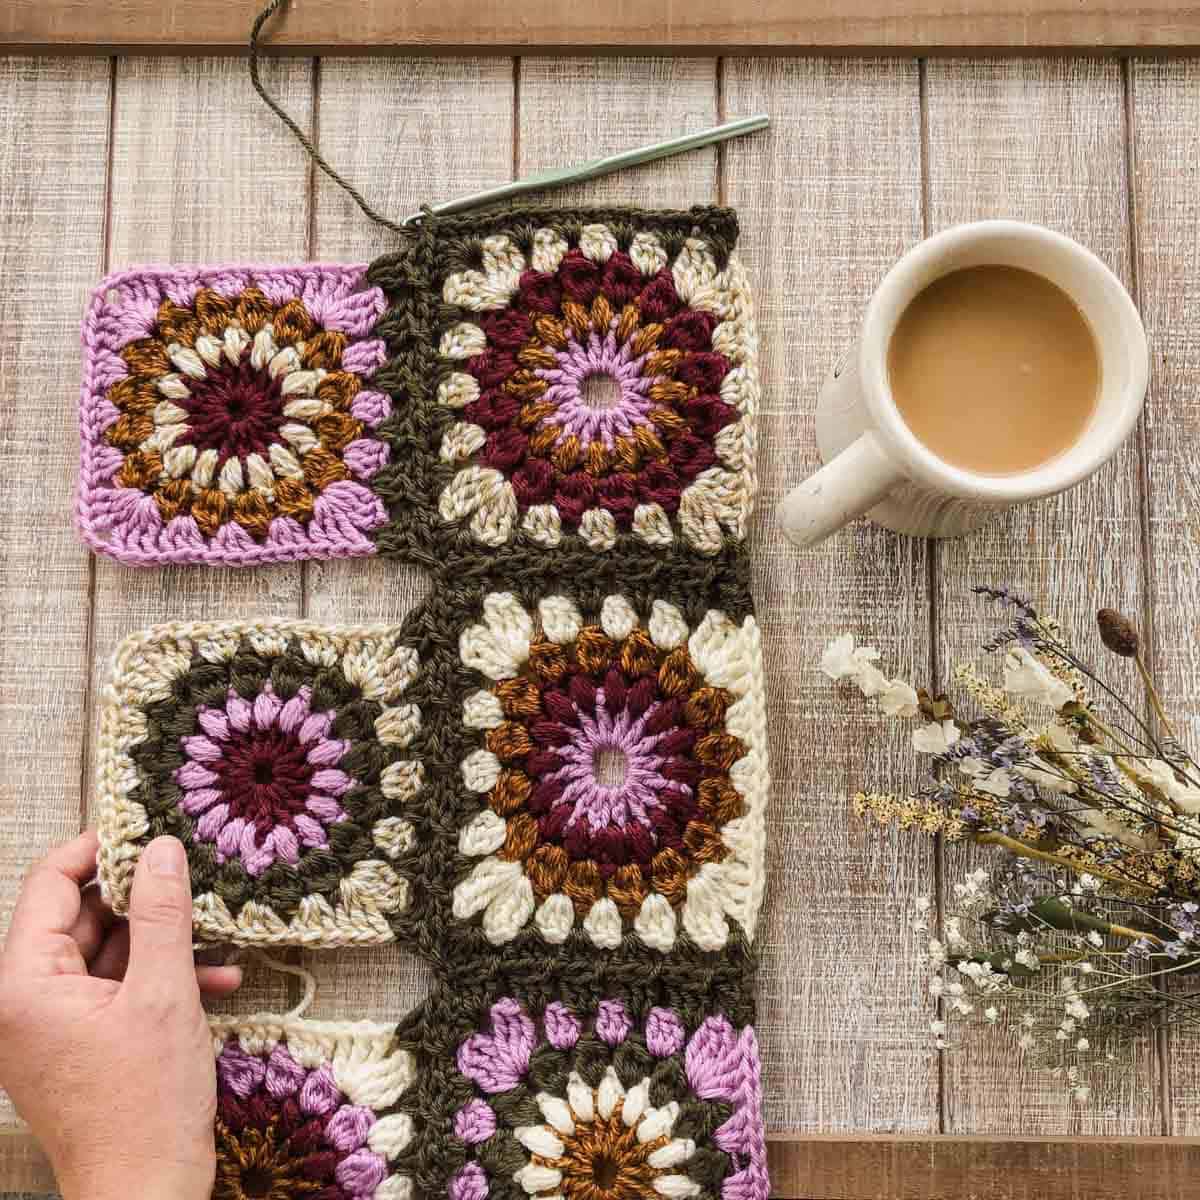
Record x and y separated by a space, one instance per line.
697 27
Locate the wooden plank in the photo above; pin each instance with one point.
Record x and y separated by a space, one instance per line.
450 124
832 1167
983 1168
705 27
53 151
827 199
1166 108
201 174
1039 140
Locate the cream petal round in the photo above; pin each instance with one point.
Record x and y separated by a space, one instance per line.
647 253
580 1097
603 924
555 918
561 620
549 248
482 835
655 922
186 361
557 1113
461 441
402 780
480 770
543 524
393 835
636 1101
704 911
394 1187
534 1178
457 390
676 1187
598 528
540 1140
398 725
481 710
464 340
617 617
666 626
597 242
509 911
652 525
609 1094
657 1122
391 1134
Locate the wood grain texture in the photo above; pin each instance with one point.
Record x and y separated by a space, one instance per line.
1040 142
409 132
53 149
1166 143
851 1167
704 27
827 199
201 173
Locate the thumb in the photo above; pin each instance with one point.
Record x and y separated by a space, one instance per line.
160 925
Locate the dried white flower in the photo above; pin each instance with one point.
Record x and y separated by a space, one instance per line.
991 1013
899 699
933 738
1083 1044
842 660
1029 678
1095 939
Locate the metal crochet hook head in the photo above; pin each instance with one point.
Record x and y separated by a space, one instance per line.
561 176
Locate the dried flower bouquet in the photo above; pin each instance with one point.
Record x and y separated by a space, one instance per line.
1086 933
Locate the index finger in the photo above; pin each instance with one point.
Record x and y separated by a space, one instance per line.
50 900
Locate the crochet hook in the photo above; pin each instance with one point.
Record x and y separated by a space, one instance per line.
560 176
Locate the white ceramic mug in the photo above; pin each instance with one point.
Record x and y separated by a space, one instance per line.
874 464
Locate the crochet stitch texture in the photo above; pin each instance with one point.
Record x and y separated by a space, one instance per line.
550 780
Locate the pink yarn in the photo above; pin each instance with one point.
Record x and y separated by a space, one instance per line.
475 1122
124 523
664 1033
562 1026
612 1022
470 1183
498 1060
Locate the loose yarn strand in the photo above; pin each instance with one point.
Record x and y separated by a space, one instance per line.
298 133
309 979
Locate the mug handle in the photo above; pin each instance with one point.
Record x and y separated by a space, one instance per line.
844 488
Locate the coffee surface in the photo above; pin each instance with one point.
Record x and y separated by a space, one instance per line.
994 369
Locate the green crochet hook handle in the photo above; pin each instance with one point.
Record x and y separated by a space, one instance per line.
561 176
504 191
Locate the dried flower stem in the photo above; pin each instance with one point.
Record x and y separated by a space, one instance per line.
1024 850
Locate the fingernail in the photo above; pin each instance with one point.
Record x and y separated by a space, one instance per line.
165 856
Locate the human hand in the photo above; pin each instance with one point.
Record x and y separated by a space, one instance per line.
104 1047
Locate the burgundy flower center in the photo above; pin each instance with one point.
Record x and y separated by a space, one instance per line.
613 772
265 773
236 411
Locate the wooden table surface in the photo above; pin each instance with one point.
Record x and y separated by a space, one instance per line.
110 162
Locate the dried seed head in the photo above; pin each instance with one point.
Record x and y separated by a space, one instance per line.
1117 632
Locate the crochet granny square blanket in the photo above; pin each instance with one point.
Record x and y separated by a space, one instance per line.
549 781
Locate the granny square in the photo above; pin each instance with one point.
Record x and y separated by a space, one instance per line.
610 746
311 1109
592 1085
568 382
288 759
227 415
